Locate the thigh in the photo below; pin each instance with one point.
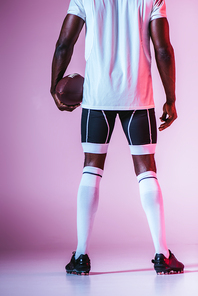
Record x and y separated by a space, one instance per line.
140 129
96 130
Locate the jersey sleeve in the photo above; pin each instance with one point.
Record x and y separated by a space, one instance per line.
159 9
76 7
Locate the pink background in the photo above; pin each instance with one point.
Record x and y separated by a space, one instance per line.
41 154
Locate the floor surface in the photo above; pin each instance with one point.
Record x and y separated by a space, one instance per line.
119 272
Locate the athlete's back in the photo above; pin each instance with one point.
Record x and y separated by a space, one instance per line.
118 52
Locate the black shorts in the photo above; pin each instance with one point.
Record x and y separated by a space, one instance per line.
139 127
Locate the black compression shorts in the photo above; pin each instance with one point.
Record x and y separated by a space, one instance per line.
139 127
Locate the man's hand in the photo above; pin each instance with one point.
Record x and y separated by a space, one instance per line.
63 107
168 116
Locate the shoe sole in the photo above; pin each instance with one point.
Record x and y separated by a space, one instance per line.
76 272
168 271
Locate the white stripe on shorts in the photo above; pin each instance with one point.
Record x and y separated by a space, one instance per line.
129 126
149 122
108 128
87 126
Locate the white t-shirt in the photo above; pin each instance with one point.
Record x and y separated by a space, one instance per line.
117 52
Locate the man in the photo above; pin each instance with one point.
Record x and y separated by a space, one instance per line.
118 82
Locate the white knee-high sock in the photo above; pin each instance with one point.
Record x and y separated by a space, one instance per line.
152 202
87 204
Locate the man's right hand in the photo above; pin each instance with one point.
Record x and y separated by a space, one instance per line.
168 116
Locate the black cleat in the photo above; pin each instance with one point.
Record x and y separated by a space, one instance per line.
78 266
162 265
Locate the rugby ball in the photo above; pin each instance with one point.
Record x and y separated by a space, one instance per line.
69 89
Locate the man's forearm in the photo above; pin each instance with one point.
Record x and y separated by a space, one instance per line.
61 59
166 65
164 55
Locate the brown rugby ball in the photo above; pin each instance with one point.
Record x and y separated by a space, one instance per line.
69 89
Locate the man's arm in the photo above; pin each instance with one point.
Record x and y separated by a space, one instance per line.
164 55
70 31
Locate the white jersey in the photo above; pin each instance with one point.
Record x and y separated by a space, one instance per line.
117 52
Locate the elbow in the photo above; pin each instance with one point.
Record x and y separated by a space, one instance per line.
165 53
63 46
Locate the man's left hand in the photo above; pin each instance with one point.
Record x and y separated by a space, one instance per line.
63 107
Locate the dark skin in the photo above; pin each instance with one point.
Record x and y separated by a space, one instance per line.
164 55
70 31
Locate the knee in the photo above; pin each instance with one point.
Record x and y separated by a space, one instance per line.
95 160
144 163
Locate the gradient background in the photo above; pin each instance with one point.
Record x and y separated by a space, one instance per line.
41 154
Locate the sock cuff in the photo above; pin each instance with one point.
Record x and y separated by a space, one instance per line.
146 175
93 171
